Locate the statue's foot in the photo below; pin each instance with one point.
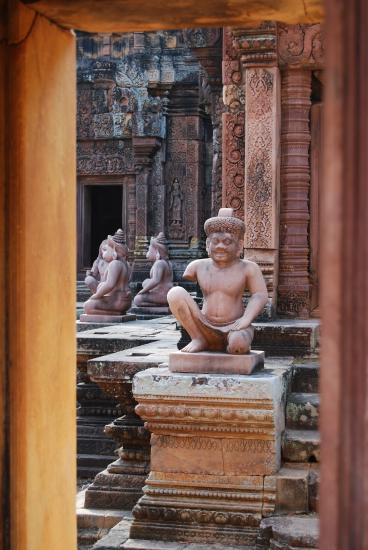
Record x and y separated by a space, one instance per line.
195 346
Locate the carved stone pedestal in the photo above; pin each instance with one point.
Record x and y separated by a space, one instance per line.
120 485
150 312
214 439
95 449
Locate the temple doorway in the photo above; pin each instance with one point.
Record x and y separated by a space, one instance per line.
101 211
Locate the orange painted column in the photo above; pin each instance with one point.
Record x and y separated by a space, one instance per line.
41 281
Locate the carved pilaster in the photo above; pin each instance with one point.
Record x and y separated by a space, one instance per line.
261 79
293 299
232 128
144 149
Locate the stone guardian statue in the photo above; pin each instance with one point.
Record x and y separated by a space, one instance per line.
223 324
154 290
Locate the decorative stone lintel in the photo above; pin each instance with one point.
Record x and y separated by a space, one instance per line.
257 47
213 438
300 46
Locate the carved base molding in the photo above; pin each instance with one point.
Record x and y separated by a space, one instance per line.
211 448
120 485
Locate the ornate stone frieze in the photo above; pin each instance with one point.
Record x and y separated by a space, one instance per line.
113 157
202 37
258 46
261 173
233 162
300 46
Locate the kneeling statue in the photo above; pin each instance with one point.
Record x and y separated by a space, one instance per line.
112 295
223 324
154 290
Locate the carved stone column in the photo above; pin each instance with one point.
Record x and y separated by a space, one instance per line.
206 44
144 149
120 485
261 79
300 51
232 128
294 285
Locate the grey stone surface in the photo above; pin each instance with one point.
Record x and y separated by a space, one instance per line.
289 533
302 411
301 446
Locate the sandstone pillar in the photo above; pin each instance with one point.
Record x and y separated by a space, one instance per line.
261 78
144 148
251 129
294 287
120 485
40 260
232 129
213 439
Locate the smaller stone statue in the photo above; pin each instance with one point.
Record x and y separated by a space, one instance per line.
112 297
155 289
96 273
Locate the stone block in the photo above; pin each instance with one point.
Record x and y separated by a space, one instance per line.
289 533
302 411
215 363
292 489
301 446
107 319
305 378
213 438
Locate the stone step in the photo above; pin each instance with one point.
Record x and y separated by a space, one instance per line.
282 338
302 411
289 533
301 446
305 378
296 488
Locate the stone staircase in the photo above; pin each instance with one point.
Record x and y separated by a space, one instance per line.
295 525
294 490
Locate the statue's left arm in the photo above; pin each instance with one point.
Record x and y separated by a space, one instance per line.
154 281
111 281
259 296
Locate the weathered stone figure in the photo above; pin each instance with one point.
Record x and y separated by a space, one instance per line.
96 273
223 324
113 295
155 289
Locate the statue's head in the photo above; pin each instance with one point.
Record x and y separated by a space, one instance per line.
225 234
121 248
111 250
158 248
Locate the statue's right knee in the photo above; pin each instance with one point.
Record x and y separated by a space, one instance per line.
176 295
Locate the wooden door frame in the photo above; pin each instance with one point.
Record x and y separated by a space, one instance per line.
37 230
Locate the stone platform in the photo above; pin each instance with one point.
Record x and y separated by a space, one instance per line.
215 363
96 409
214 438
107 319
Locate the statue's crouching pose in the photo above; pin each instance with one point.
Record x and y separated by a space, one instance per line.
112 295
154 290
223 324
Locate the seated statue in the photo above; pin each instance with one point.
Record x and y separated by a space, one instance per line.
97 272
154 290
112 295
223 324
